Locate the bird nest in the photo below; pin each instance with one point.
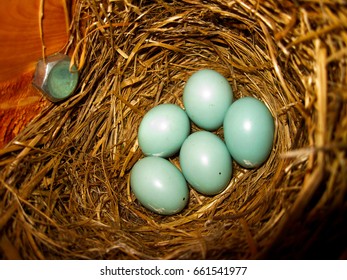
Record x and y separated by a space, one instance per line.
64 180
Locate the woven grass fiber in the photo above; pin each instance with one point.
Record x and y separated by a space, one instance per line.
64 180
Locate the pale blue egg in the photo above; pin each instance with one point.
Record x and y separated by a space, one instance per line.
159 185
163 130
249 132
205 162
207 96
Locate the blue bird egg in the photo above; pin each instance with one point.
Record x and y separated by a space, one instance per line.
206 163
163 130
207 96
249 132
159 185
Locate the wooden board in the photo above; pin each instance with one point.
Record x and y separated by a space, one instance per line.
20 49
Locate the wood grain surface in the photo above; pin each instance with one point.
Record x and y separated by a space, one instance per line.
20 49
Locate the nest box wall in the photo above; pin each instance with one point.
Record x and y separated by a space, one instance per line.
20 49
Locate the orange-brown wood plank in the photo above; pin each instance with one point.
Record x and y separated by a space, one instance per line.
20 49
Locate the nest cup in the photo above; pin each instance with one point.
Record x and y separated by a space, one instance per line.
64 179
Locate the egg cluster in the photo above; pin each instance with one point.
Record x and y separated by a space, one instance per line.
205 159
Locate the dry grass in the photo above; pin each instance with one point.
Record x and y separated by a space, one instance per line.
64 180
